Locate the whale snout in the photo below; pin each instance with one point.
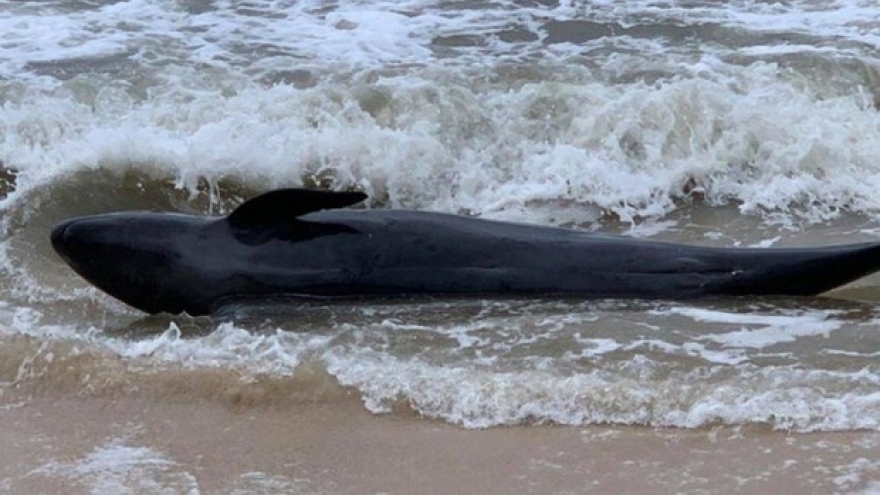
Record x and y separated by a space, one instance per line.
76 240
61 240
83 242
130 256
58 236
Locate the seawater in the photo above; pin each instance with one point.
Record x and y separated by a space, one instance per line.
742 123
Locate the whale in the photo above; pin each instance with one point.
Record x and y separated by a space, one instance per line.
304 243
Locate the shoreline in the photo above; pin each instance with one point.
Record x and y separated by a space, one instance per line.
68 443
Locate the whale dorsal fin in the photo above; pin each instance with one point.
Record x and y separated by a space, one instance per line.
285 205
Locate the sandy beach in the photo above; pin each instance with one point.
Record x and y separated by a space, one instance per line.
131 443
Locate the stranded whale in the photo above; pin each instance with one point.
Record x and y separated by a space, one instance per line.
299 242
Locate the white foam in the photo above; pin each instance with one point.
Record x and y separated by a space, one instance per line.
227 346
871 488
592 347
255 482
489 374
765 243
773 329
279 352
771 149
375 32
57 34
476 398
854 20
119 468
851 474
434 137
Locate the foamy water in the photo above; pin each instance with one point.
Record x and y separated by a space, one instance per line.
496 363
743 123
120 468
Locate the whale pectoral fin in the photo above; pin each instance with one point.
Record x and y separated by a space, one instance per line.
283 205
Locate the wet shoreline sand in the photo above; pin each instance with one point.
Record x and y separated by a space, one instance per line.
75 443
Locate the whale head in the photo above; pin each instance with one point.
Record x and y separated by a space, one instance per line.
174 263
136 257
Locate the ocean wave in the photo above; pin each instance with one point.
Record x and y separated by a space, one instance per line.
636 150
526 368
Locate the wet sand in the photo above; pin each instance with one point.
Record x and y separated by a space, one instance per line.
74 443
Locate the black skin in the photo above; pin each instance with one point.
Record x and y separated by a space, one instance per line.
297 242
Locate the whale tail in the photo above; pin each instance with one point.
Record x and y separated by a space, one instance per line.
799 271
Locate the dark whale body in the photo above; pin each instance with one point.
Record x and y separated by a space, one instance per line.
297 242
